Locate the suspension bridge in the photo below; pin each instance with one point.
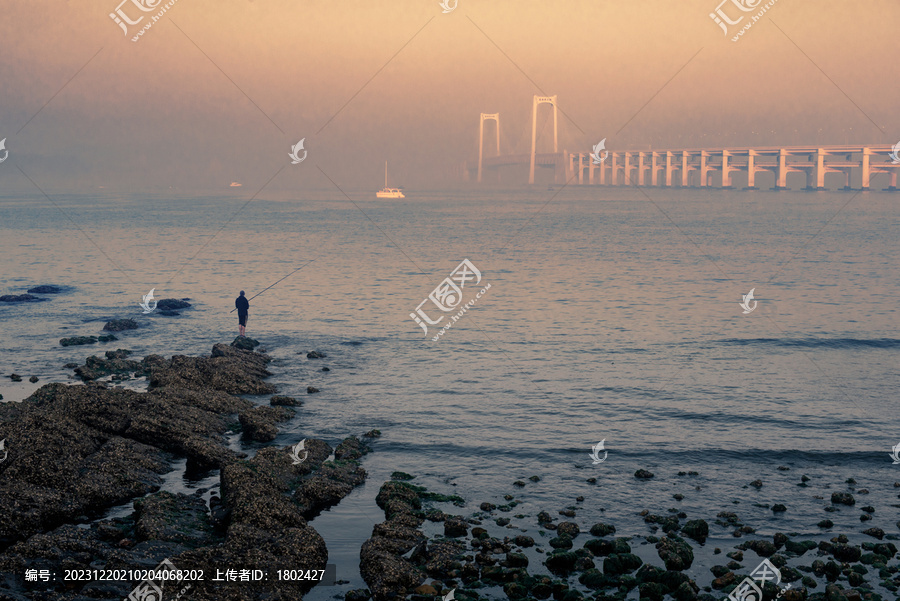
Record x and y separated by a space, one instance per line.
811 167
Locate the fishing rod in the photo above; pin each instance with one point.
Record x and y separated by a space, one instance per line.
281 280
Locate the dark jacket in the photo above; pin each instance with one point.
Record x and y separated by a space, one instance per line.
242 304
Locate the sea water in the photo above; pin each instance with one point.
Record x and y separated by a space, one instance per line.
613 314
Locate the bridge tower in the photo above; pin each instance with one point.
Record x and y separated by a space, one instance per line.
486 117
551 100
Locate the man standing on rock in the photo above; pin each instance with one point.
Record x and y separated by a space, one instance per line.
243 306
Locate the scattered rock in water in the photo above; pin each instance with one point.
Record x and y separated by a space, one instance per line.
172 304
757 484
244 343
70 365
618 564
601 529
45 289
78 340
523 541
874 532
534 478
285 401
169 313
311 390
763 548
315 355
778 508
372 434
120 325
326 369
116 363
643 474
403 476
697 530
675 553
842 498
33 379
106 338
563 562
21 298
569 513
846 552
569 529
15 377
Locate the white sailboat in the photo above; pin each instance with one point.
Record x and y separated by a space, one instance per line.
388 192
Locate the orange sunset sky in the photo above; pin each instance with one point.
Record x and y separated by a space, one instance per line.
219 91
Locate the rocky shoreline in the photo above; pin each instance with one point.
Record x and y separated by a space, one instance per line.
487 555
75 451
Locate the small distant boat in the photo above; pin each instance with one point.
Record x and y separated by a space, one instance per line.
235 185
388 192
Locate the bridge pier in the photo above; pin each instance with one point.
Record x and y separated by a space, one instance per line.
641 167
866 168
668 169
685 170
614 169
704 168
580 168
654 169
726 171
781 177
751 170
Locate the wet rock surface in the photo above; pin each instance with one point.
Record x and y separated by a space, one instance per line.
75 451
21 298
172 304
120 325
398 557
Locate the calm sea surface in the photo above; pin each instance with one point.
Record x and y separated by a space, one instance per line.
611 315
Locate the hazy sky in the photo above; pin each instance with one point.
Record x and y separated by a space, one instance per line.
217 92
